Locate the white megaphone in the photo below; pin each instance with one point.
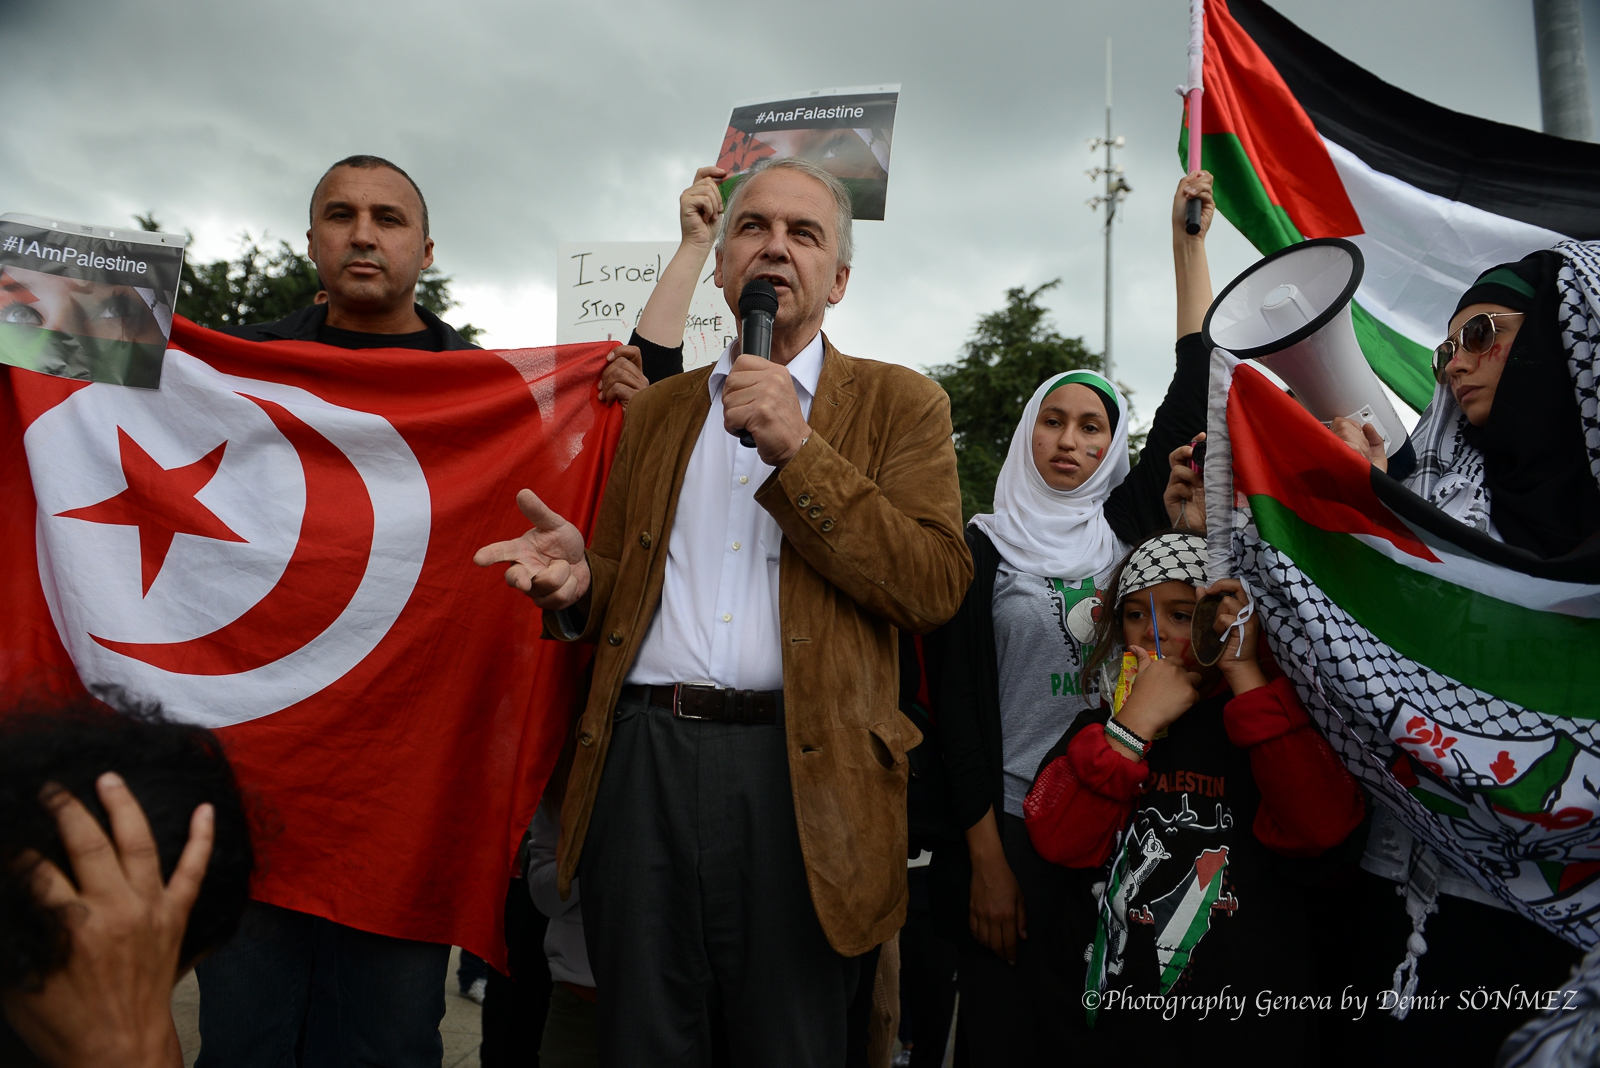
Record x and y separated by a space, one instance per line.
1291 312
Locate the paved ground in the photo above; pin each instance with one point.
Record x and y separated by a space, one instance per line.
462 1027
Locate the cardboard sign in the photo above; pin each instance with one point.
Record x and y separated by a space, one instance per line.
844 131
602 287
87 302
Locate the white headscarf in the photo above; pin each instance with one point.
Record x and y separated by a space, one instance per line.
1050 532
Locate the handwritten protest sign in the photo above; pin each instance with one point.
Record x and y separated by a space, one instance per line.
602 287
87 302
844 131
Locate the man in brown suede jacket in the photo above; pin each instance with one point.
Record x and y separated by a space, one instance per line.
736 808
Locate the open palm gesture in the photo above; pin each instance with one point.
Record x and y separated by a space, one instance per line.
547 562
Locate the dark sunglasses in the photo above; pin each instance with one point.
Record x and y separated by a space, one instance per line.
1476 337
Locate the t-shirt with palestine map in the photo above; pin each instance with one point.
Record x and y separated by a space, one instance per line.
1205 907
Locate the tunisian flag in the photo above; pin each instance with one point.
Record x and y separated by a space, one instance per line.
278 544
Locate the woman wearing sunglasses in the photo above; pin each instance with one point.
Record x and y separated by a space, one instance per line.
1501 446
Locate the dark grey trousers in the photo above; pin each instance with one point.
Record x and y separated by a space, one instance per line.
699 923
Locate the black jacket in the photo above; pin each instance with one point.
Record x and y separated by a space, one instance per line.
963 671
304 324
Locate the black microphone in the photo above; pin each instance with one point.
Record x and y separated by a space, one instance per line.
758 303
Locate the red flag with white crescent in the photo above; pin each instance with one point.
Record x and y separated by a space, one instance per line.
277 544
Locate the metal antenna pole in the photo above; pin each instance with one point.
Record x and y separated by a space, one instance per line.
1111 210
1116 189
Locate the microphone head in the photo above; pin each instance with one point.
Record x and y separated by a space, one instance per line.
758 295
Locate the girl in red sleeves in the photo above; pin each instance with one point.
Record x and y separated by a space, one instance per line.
1200 791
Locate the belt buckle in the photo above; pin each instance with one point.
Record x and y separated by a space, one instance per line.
677 704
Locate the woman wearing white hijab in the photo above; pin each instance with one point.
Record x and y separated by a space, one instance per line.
1004 674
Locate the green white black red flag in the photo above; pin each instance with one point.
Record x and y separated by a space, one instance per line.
1304 143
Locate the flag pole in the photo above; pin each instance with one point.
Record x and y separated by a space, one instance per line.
1197 88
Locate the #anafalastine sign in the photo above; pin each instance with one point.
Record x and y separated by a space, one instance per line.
844 131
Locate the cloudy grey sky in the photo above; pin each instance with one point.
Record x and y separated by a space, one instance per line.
528 123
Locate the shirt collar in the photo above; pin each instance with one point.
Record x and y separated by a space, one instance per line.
805 368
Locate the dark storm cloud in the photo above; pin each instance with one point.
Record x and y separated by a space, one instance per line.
529 123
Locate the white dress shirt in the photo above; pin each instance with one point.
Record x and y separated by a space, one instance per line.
718 617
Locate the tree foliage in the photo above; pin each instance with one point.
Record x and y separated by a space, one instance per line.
1010 353
263 284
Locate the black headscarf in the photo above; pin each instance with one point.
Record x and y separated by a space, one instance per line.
1542 493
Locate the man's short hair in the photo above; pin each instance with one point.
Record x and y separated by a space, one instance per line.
171 768
841 200
367 163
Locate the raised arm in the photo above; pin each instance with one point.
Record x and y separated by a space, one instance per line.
655 351
699 210
1189 253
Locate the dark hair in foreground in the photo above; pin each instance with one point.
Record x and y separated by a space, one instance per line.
367 163
171 768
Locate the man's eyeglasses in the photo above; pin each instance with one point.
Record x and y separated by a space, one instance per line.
1476 337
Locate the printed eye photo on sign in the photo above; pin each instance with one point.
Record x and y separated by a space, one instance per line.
847 132
87 302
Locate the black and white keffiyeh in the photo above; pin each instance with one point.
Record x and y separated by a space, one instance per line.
1450 471
1167 558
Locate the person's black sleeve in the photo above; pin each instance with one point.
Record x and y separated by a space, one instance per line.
659 361
1134 508
954 681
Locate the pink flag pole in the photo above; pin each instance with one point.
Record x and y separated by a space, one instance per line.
1197 88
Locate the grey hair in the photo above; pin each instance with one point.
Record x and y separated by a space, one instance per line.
841 201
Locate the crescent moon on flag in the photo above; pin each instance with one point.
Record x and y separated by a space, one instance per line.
318 583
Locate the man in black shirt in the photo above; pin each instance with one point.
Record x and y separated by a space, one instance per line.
292 987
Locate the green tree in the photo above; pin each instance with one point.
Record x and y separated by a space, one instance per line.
263 284
1010 353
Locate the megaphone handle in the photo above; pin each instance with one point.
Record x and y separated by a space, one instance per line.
1191 216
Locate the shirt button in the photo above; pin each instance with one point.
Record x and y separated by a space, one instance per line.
727 618
743 479
827 525
735 546
803 500
814 512
615 638
644 539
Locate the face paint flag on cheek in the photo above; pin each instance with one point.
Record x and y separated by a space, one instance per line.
278 545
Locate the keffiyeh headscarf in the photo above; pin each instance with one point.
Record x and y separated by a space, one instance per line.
1051 532
1168 558
1529 474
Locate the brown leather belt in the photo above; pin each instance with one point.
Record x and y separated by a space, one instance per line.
686 701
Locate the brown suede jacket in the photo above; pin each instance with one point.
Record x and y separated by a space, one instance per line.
871 516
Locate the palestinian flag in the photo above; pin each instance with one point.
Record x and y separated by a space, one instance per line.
277 544
1182 916
1304 144
1452 673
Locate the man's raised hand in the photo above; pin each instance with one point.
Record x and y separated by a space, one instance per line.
547 562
